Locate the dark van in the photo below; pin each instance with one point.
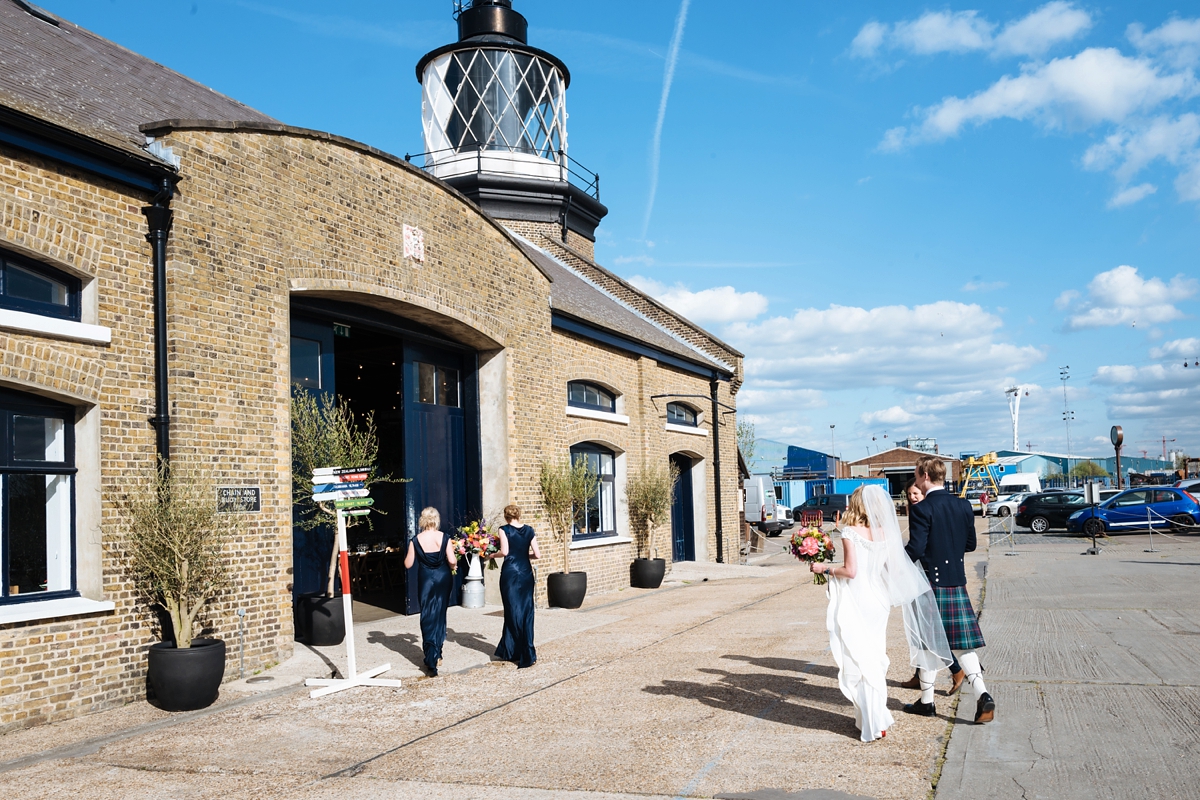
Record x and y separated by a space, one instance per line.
830 505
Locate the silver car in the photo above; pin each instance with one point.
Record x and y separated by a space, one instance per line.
1005 505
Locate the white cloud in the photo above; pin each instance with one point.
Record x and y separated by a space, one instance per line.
1177 40
1132 148
1065 299
1121 296
646 261
1164 395
1185 348
1096 85
983 286
718 304
1132 194
967 31
889 416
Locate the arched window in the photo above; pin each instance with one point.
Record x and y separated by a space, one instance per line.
581 394
679 414
37 469
37 289
600 516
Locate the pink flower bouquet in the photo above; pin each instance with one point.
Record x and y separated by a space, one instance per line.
813 546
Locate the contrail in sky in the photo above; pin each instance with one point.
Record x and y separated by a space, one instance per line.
668 76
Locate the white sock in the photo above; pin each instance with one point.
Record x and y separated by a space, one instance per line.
969 660
927 677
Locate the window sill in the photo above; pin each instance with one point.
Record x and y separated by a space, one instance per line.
584 544
603 416
53 609
688 429
24 322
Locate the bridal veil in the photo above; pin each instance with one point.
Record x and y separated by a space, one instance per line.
908 587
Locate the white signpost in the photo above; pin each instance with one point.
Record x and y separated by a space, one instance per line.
326 483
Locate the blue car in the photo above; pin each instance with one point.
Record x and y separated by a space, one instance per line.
1137 509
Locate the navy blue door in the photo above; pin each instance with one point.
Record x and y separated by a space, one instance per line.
435 443
683 532
312 371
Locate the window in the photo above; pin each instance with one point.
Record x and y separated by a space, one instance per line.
1165 496
679 414
437 386
600 516
1132 499
37 469
306 363
589 395
37 289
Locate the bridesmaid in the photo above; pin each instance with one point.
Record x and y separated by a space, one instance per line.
433 551
518 544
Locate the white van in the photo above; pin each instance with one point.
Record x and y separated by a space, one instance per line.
1020 482
762 510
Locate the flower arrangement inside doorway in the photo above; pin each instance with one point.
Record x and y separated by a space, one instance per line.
176 538
477 539
567 488
650 491
813 546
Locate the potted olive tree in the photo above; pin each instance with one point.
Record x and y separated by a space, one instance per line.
326 433
176 538
566 490
650 491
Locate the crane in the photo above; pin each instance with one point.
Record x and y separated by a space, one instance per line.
1163 439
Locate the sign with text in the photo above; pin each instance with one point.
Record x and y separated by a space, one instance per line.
355 502
321 488
343 495
239 498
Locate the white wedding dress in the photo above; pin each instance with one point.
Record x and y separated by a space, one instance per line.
857 620
858 612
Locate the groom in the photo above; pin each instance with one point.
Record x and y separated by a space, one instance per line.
941 531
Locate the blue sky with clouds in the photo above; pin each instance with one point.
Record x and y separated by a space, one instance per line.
895 210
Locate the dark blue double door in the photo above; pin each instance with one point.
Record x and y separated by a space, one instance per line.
421 396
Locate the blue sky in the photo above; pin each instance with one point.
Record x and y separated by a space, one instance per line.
894 210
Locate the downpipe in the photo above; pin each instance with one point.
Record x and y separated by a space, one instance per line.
159 218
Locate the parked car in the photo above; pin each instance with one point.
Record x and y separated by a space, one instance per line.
1005 505
1107 493
1137 510
1045 510
1020 483
1189 485
975 497
830 506
762 510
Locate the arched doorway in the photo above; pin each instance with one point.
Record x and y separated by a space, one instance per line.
683 521
422 389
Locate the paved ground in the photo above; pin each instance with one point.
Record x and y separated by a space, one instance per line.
717 685
1095 664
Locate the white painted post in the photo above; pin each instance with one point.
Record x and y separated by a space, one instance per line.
347 600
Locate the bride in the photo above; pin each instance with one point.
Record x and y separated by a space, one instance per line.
876 575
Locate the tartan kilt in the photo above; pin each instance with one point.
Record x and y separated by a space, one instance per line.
958 617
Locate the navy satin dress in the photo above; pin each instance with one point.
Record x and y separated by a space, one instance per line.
434 581
516 590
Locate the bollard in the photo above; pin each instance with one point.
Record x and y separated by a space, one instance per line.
1150 530
242 643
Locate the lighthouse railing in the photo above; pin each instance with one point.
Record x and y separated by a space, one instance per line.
454 161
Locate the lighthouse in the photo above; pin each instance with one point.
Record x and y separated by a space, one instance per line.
494 113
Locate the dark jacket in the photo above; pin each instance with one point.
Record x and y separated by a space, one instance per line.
941 529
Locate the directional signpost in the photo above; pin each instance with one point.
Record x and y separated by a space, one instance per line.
346 488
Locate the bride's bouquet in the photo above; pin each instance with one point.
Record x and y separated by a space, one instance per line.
477 539
813 546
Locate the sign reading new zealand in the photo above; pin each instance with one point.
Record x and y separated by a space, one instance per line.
239 498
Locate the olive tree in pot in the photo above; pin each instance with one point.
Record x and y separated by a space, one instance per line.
326 433
176 538
567 487
650 491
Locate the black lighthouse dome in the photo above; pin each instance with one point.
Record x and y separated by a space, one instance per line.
495 120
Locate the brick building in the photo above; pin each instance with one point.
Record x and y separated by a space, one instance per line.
174 262
898 465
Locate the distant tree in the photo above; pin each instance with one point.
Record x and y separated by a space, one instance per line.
747 441
1088 469
1181 460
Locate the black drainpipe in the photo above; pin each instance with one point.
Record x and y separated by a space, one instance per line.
716 439
158 216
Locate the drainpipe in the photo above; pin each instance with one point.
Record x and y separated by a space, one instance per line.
716 440
158 217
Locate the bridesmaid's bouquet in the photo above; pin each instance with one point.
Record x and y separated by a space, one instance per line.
813 546
477 539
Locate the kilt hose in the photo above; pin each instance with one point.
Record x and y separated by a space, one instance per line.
958 617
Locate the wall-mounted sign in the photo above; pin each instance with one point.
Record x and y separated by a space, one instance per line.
341 330
239 498
414 243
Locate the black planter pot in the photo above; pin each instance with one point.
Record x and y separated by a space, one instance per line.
322 621
184 680
647 573
566 589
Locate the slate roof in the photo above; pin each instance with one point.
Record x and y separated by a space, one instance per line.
575 297
71 77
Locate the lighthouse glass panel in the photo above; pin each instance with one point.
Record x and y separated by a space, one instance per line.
494 111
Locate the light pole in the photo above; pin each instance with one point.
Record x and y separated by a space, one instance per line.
832 442
1064 374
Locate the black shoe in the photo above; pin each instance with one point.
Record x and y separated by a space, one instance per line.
985 709
914 682
920 709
